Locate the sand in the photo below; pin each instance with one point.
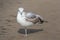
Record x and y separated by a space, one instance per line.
48 9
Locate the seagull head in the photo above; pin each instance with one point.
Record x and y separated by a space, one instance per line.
21 9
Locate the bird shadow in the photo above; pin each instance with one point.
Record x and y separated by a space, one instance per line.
29 31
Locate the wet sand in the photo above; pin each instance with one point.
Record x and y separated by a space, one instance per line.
48 9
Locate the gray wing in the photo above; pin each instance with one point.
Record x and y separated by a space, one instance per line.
30 15
33 18
41 20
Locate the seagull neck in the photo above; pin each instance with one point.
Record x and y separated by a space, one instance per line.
21 13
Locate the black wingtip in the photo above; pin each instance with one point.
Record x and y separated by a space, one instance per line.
44 21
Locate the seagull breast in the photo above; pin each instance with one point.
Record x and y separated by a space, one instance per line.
21 19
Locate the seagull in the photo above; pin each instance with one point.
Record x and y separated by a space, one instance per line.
27 19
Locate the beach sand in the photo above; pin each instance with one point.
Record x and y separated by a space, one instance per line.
48 9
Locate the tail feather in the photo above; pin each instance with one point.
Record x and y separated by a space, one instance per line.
42 21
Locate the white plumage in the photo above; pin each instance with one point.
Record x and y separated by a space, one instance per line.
21 19
28 19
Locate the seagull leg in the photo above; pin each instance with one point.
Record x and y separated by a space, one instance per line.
26 31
